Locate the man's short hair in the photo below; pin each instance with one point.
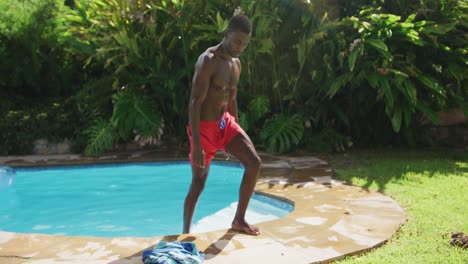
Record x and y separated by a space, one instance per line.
240 22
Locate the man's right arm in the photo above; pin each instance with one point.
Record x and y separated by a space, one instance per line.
200 85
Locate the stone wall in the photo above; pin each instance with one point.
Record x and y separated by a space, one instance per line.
44 147
450 136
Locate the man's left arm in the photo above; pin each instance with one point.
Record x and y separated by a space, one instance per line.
232 107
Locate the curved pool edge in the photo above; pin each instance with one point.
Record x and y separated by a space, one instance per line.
331 219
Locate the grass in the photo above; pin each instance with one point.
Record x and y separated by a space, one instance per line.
432 187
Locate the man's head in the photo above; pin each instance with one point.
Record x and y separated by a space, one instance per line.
237 35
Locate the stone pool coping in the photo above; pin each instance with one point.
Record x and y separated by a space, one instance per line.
331 219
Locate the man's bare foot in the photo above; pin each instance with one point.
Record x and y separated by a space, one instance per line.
244 227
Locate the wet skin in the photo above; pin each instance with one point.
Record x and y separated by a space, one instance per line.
214 90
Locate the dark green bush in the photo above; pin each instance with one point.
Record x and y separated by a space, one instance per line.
326 140
398 68
54 120
37 76
33 62
15 135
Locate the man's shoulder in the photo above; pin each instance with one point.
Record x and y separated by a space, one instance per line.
206 59
207 55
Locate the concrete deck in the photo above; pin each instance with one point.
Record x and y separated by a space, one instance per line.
331 219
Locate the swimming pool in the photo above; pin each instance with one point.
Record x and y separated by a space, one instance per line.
138 200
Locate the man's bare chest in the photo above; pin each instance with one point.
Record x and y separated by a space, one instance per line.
226 76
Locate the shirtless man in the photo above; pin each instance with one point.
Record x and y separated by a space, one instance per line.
213 121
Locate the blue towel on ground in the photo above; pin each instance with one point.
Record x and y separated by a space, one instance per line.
173 253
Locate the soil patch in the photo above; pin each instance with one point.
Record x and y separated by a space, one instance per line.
459 239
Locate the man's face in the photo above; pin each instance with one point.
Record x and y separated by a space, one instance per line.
236 42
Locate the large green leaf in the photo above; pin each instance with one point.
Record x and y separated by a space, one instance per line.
101 138
221 23
398 73
413 36
258 107
407 114
428 112
266 46
430 83
374 79
301 51
390 19
339 82
352 59
439 29
410 91
243 120
410 18
385 86
396 118
282 133
75 18
380 46
133 112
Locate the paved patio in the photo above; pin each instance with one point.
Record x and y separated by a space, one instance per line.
331 219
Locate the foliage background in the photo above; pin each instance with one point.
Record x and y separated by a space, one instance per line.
322 75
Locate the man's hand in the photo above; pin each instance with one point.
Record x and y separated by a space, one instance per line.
198 158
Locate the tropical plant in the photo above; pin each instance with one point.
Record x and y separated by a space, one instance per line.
101 137
15 135
257 109
367 70
390 60
260 76
33 63
133 115
49 120
134 42
282 132
326 140
149 47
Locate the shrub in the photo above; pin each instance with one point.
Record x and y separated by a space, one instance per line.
15 135
50 120
33 61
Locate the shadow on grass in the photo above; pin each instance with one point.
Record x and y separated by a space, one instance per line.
382 167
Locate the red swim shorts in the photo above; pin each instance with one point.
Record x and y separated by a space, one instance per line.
215 135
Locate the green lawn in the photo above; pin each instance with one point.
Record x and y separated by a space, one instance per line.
432 187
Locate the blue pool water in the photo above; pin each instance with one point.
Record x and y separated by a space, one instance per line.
138 200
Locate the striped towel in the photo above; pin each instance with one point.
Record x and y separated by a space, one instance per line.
173 253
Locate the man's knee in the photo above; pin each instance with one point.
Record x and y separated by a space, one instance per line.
197 186
255 162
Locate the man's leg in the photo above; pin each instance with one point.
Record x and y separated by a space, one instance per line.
243 149
199 176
